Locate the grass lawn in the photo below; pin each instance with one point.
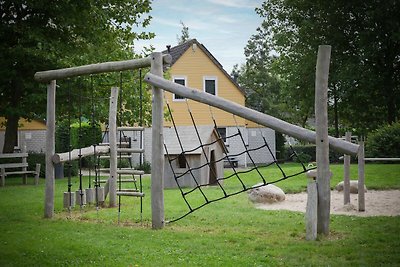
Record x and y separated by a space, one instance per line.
230 232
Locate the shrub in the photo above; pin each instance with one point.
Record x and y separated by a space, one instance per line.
280 145
384 142
146 167
35 158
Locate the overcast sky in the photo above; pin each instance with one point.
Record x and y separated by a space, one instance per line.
223 26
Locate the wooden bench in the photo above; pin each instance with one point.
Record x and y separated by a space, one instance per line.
17 165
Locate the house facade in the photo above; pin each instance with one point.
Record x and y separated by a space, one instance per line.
195 67
31 134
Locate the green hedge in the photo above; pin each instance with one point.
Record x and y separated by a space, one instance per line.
306 153
384 142
40 158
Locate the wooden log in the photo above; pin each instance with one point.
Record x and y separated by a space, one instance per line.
247 113
346 181
99 191
322 141
50 149
69 200
90 195
112 121
381 159
157 157
311 210
361 178
46 76
85 151
80 197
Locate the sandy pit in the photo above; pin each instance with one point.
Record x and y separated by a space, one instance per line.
377 203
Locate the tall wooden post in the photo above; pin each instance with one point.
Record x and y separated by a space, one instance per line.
361 177
50 149
322 141
157 153
112 136
346 180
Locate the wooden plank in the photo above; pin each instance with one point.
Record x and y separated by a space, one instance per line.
13 155
50 149
13 165
46 76
322 141
19 172
85 151
250 114
157 157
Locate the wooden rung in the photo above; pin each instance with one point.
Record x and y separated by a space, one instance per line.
118 144
127 128
128 190
119 156
130 194
131 171
118 180
130 150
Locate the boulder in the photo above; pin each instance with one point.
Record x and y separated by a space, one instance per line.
266 194
353 186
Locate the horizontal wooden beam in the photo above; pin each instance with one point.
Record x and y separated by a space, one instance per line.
250 114
46 76
84 152
382 159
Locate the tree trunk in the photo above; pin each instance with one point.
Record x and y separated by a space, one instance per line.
10 137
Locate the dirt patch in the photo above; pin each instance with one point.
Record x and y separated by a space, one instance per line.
377 203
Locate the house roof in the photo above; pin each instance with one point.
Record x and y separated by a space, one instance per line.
189 139
24 124
177 51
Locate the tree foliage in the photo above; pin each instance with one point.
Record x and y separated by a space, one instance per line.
364 76
184 37
38 35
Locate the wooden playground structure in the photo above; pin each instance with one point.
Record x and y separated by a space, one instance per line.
318 213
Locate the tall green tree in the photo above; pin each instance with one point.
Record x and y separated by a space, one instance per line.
364 75
39 35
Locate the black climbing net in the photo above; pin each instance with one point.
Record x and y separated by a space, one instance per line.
229 183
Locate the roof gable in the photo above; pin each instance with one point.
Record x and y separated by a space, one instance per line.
177 51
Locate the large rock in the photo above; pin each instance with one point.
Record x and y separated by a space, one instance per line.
266 194
353 186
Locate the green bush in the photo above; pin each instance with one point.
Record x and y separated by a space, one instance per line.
307 153
280 145
384 142
146 167
88 135
35 158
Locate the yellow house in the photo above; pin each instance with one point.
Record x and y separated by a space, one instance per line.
195 67
31 133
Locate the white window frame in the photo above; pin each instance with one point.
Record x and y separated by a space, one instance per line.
215 78
179 77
